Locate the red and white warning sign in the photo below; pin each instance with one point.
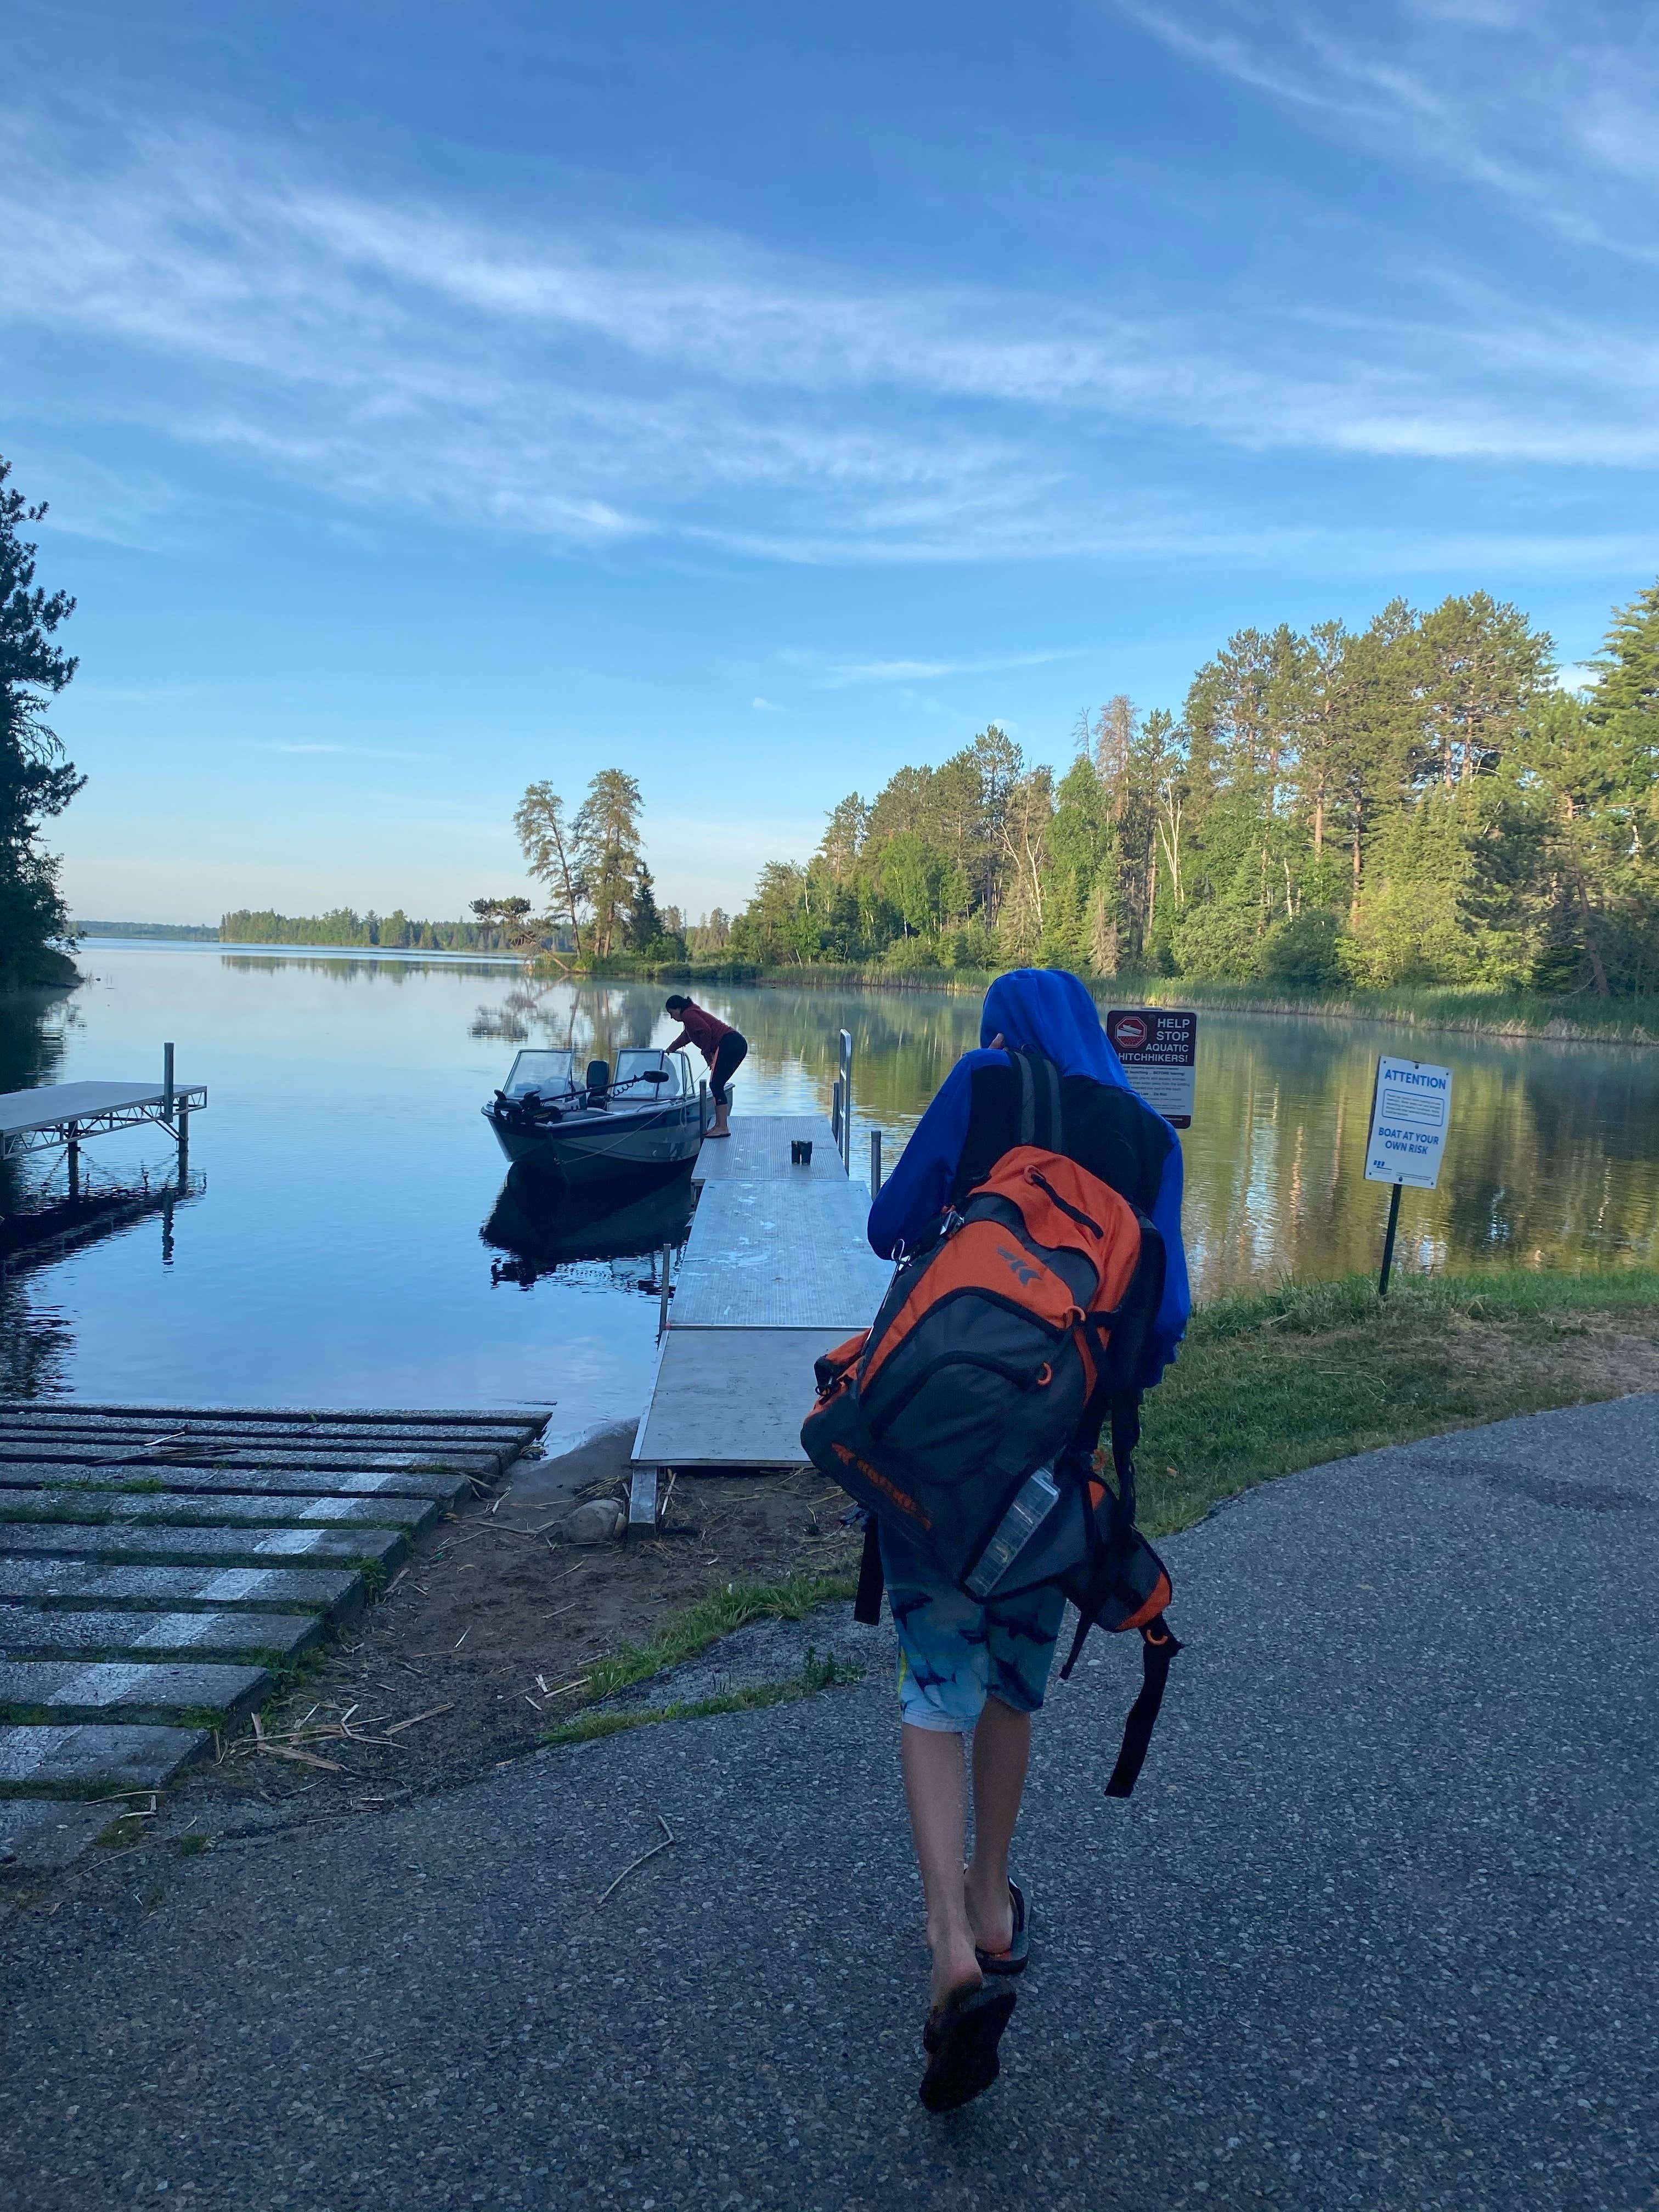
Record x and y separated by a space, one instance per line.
1158 1046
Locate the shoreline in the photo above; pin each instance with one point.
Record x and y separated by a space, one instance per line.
1449 1007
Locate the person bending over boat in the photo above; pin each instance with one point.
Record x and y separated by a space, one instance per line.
724 1047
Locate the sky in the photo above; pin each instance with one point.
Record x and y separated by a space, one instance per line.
431 399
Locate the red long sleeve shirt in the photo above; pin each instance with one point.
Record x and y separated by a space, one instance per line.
701 1029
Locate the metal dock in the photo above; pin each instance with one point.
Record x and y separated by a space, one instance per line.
62 1115
776 1270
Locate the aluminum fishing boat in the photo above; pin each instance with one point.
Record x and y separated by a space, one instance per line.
646 1114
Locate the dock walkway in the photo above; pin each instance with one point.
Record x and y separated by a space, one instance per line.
776 1270
158 1565
54 1114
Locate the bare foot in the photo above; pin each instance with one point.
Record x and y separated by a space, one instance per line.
955 1967
990 1912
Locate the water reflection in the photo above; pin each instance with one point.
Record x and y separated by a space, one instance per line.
336 1257
545 1228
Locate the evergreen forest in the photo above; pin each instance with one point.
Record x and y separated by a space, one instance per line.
1418 801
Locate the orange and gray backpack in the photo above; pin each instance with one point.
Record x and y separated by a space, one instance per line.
969 1412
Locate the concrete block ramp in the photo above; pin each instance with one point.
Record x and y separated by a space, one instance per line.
159 1564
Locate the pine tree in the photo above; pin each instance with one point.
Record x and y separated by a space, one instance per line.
36 780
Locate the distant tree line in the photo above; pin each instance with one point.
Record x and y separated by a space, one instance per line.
36 782
344 925
1416 801
195 932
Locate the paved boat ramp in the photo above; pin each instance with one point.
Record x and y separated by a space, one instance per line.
158 1565
776 1270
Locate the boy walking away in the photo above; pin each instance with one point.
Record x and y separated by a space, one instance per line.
972 1667
724 1047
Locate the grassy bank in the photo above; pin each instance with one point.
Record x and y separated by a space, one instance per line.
1311 1372
1265 1384
1577 1020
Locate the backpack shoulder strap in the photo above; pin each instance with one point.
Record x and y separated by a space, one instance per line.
1041 1120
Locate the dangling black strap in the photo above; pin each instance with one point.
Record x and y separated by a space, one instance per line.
1157 1647
866 1605
1125 1435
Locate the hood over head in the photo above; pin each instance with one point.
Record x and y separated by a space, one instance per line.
1047 1010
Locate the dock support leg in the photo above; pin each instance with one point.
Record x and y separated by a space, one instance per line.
73 1158
167 1082
643 1498
875 1164
184 1144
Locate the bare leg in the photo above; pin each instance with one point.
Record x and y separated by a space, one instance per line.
1002 1751
936 1785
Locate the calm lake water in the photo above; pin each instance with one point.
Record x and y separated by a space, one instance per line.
348 1240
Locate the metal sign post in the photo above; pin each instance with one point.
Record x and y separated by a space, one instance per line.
844 1085
1158 1048
1411 1112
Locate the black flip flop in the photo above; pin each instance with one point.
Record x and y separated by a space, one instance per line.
1017 1956
962 2039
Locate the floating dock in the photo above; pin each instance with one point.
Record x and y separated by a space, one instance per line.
775 1271
158 1565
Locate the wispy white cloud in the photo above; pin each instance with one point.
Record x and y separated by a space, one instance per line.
1549 103
764 707
360 752
604 387
838 675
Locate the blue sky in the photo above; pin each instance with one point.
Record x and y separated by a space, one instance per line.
430 398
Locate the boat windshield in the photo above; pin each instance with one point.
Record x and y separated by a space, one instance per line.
549 1073
631 1067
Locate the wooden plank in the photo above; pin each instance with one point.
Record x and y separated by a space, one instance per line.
338 1592
52 1451
443 1418
85 1762
731 1397
445 1490
774 1255
51 1631
162 1546
269 1509
43 1690
43 1835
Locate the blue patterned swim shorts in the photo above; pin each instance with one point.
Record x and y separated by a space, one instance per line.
954 1652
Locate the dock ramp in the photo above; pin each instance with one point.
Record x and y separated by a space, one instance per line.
775 1271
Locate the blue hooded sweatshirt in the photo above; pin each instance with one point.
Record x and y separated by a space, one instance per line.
1048 1011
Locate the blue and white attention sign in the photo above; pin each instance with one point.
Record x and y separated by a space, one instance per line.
1411 1112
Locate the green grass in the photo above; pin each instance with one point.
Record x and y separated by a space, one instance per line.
817 1675
1575 1019
1314 1372
1265 1384
712 1616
